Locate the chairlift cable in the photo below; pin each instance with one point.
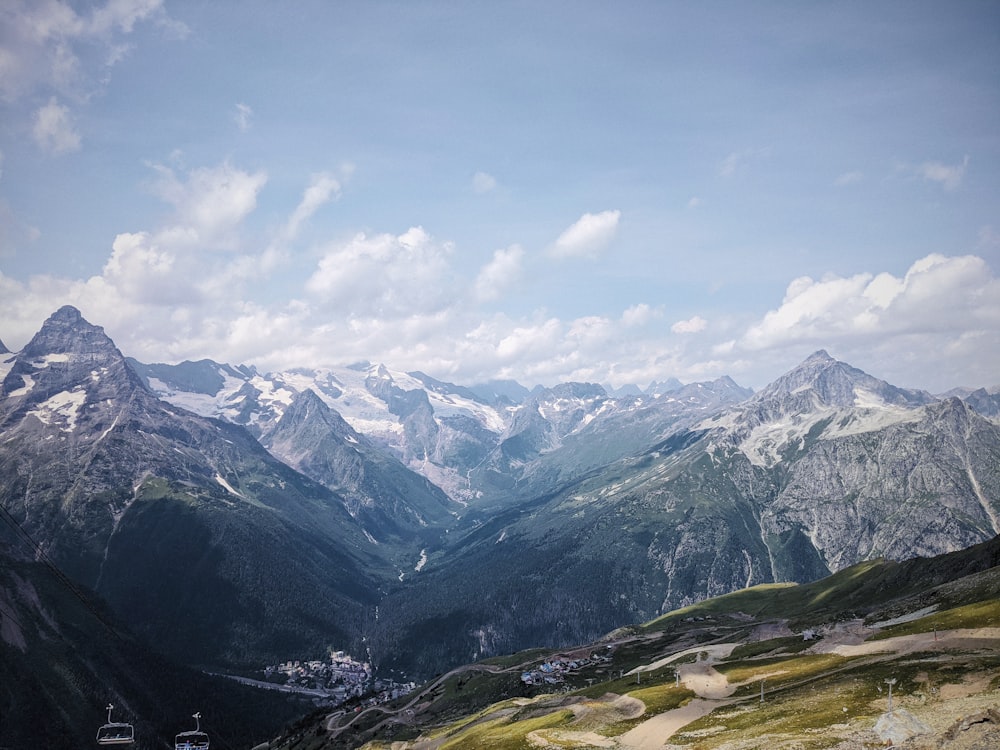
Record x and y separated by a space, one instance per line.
62 577
12 616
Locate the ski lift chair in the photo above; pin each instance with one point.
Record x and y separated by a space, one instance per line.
115 732
193 740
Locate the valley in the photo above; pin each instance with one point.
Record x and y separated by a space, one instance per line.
750 669
229 518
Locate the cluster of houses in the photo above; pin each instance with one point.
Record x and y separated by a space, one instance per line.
554 671
335 681
340 678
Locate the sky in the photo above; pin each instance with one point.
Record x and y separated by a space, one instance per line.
546 191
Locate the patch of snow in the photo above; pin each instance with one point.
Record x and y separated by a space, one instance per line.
105 433
503 535
726 420
199 403
29 383
228 487
63 406
272 392
870 419
48 359
422 561
369 537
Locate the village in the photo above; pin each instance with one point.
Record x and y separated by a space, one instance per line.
335 681
554 671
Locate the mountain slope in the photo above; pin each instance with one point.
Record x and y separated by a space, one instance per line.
198 538
64 656
827 468
389 500
782 666
563 433
436 429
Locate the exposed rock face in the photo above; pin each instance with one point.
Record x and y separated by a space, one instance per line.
199 538
390 500
912 489
475 524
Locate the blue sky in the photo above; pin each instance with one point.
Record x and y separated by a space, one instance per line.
546 191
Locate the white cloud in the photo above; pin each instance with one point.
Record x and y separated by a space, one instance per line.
397 298
947 175
53 129
385 276
482 182
532 342
322 189
691 325
242 116
503 270
738 161
144 273
942 307
590 234
210 202
49 45
849 178
639 315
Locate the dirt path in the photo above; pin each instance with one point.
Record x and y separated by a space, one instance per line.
713 651
712 687
906 644
654 733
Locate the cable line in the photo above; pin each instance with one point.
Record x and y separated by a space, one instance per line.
62 577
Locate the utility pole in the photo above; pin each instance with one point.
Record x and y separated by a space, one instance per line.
890 681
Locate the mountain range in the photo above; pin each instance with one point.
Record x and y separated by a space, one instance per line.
235 518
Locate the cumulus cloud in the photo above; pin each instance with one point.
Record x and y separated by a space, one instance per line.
937 294
144 273
691 325
944 312
53 129
210 201
588 236
483 182
398 298
639 315
499 274
384 275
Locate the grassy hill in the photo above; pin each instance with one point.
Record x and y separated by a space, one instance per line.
822 653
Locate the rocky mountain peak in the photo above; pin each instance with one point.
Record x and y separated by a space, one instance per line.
821 381
67 352
306 407
4 349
